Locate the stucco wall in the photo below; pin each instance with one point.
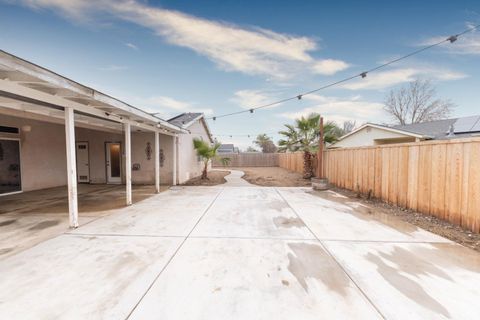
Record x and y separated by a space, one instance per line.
42 153
367 137
146 173
96 144
188 164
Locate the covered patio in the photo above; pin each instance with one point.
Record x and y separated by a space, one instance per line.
69 149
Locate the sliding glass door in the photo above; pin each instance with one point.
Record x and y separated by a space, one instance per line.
10 178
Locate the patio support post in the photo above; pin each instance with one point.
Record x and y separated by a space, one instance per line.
174 160
128 163
71 167
157 162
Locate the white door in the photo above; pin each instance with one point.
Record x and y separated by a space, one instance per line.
83 164
113 163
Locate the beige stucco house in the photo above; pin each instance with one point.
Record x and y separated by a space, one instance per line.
189 164
371 134
57 132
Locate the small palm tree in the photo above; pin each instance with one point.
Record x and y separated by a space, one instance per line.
205 151
304 135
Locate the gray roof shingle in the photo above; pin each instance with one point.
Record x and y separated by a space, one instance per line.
184 118
439 129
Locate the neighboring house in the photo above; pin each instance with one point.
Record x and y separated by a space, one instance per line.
56 132
227 148
189 164
371 134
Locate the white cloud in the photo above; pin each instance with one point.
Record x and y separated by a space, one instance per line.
131 46
251 98
329 66
252 51
168 107
468 43
340 110
385 79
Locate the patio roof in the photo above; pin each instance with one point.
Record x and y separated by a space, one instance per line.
27 87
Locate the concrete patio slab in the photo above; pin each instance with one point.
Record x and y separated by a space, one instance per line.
172 213
76 277
414 281
252 193
252 219
253 279
240 253
22 231
332 216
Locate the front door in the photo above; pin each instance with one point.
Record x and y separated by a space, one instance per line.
113 163
83 170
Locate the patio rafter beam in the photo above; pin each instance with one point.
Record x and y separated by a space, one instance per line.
18 92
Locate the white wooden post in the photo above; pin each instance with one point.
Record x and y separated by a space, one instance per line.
128 163
71 167
174 160
157 162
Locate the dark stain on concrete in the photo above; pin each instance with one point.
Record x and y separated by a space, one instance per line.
283 222
361 211
5 251
405 285
311 261
285 283
44 225
6 223
278 205
217 289
414 264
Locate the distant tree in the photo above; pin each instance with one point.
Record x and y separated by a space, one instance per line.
304 136
251 149
265 143
207 152
416 103
348 126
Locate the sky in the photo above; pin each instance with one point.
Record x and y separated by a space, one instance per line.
225 56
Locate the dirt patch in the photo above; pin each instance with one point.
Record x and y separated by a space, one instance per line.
273 177
214 178
430 223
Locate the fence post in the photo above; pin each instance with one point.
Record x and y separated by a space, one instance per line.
320 151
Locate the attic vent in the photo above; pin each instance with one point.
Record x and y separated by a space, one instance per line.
4 129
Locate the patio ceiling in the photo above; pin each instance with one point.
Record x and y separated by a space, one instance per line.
29 88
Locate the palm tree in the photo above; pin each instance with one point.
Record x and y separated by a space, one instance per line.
205 151
265 143
304 135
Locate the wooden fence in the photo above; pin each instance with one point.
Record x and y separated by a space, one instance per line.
253 159
441 178
293 161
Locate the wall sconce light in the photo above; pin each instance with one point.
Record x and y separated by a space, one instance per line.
26 128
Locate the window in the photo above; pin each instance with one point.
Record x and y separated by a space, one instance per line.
4 129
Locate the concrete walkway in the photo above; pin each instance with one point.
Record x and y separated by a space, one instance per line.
242 253
234 179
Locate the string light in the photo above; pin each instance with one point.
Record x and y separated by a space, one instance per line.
362 75
243 135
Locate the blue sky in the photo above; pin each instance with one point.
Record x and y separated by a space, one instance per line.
224 56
